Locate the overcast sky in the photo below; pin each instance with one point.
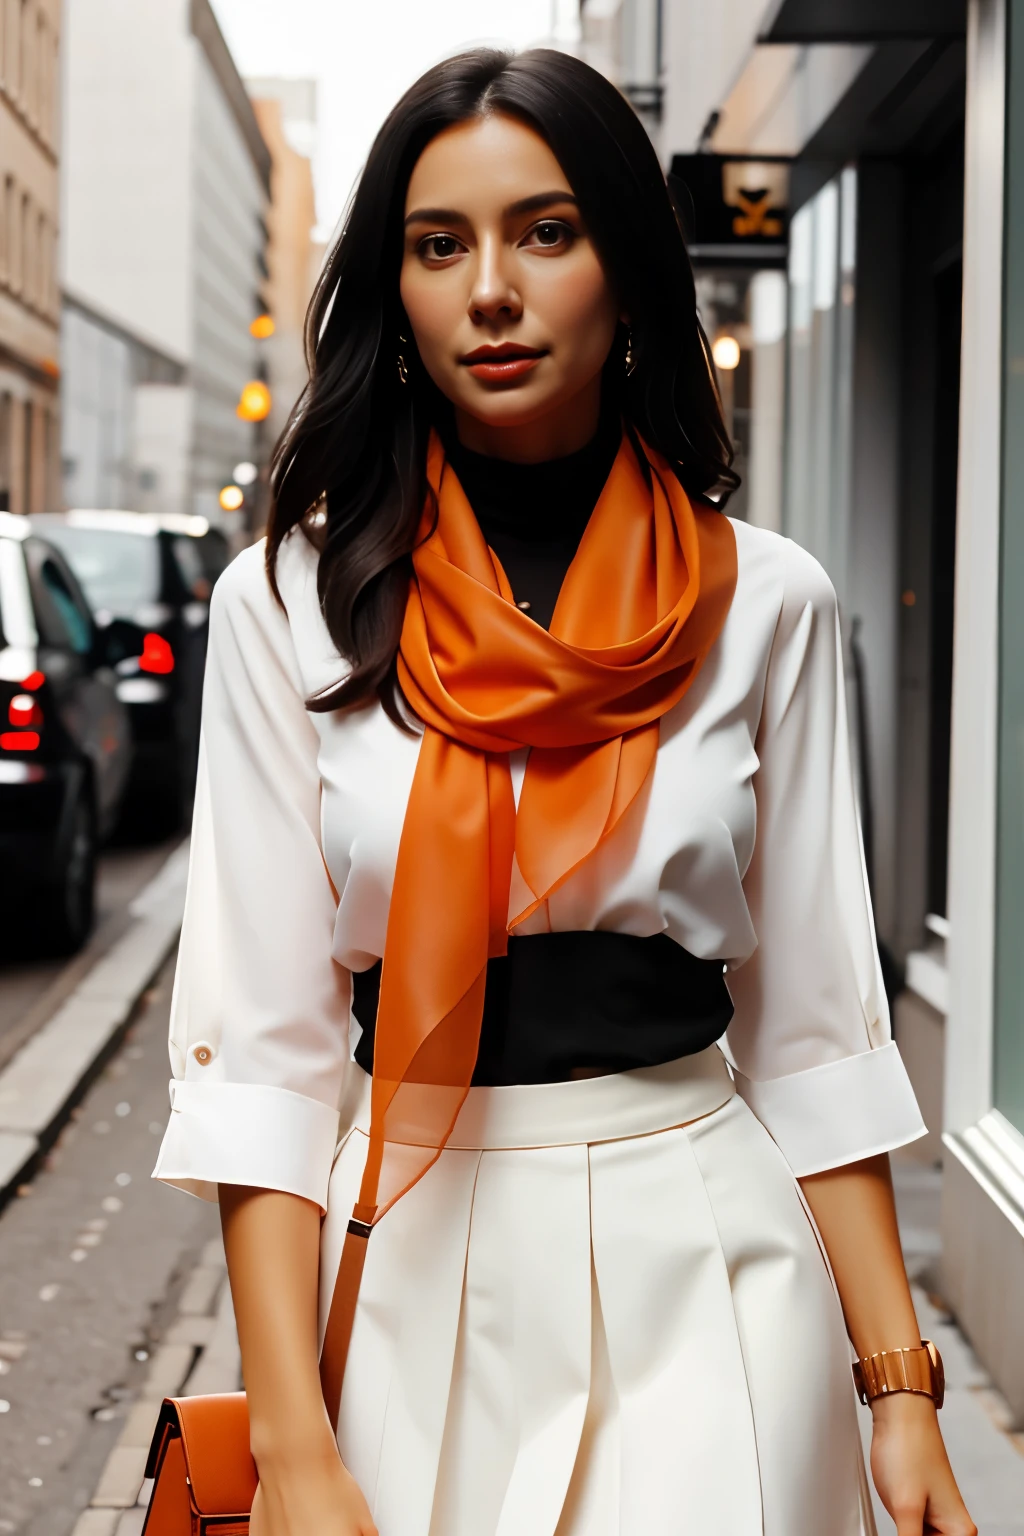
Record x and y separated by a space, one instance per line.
363 54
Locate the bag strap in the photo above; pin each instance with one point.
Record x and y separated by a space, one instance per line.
338 1335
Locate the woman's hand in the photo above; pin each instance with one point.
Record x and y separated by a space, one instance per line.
911 1469
310 1491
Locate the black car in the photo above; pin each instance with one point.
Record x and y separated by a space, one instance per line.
157 572
65 740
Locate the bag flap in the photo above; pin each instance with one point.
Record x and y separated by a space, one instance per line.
215 1434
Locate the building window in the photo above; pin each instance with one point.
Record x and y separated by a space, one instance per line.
14 250
12 45
1008 1094
28 417
5 451
42 75
25 30
27 273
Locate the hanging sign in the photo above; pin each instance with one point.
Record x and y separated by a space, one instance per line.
735 208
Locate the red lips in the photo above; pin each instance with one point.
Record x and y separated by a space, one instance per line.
503 364
506 351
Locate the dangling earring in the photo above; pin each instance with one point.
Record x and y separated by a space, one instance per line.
403 367
630 359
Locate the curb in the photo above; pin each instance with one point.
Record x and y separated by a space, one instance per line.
199 1353
41 1084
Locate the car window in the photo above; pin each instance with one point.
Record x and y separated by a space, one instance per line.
190 566
214 552
63 619
17 621
119 570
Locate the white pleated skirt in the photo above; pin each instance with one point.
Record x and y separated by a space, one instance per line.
603 1312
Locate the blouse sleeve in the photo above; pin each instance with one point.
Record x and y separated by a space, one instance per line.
259 1016
810 1037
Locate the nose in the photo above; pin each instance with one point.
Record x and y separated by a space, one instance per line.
493 295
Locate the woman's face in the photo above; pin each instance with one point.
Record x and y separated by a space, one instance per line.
510 308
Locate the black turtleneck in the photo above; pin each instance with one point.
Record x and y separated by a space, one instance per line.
558 1002
533 515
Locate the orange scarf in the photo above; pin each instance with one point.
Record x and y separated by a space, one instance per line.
642 604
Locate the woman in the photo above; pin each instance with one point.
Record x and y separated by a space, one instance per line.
501 709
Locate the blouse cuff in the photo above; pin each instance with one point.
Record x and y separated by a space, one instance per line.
838 1113
247 1133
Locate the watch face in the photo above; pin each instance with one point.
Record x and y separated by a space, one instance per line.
938 1372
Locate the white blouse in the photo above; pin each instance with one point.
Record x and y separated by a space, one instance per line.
744 847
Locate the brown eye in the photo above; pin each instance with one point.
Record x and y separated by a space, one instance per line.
550 234
439 247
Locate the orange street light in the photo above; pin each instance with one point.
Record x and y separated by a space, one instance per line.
231 497
262 327
254 401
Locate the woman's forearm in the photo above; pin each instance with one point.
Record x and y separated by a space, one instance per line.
856 1216
272 1241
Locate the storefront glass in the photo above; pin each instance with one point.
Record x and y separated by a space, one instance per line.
1009 1031
822 271
744 314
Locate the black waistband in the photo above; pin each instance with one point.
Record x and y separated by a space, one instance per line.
562 1001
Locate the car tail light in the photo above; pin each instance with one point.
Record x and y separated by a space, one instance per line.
33 681
157 655
19 741
23 710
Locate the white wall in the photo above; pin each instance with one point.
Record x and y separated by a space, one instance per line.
127 193
163 425
228 200
772 98
97 415
706 44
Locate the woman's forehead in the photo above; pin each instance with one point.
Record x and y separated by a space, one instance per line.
494 159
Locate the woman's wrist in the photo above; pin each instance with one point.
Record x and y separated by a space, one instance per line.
280 1445
903 1408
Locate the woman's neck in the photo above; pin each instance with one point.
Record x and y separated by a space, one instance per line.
555 435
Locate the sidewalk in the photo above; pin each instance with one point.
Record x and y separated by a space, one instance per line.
985 1447
199 1354
44 1079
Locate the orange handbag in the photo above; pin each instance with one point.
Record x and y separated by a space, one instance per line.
203 1471
204 1477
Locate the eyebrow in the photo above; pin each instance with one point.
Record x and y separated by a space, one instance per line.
532 204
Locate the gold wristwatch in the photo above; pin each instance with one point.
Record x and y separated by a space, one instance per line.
901 1370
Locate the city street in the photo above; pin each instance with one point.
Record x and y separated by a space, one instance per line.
32 986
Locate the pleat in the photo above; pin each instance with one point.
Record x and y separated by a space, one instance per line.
790 1328
594 1499
688 1455
398 1379
522 1372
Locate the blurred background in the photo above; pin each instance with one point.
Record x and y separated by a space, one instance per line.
850 177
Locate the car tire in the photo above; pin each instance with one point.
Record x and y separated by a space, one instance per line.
67 902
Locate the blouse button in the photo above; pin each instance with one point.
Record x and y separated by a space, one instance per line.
203 1053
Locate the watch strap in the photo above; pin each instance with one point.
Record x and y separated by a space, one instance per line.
901 1370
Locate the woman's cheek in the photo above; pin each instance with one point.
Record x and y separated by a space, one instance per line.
577 307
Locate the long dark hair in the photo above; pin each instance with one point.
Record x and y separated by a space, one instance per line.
359 436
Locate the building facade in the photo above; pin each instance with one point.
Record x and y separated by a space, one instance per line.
29 230
875 400
286 113
165 192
